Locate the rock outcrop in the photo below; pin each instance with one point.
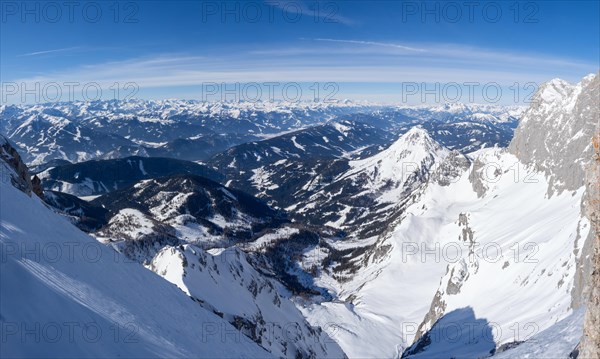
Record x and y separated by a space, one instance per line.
555 131
16 172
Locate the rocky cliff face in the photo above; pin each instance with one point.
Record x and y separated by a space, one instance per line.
590 344
555 131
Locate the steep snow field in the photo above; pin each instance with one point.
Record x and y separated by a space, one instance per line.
558 341
66 295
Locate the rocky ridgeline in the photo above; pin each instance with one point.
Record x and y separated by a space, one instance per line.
18 171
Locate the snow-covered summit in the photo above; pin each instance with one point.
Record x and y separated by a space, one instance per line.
416 136
414 151
554 90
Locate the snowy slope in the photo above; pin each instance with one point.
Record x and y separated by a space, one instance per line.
428 269
225 282
558 341
63 294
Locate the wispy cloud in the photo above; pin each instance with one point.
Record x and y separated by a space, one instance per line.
373 43
364 65
165 72
54 51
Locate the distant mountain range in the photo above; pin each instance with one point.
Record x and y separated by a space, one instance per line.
81 131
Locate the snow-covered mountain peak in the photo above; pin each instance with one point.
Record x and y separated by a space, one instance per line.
558 93
412 156
554 93
416 136
588 79
412 147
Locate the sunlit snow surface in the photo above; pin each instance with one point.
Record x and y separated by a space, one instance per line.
558 341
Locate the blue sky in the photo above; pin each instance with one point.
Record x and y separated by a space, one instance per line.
369 49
